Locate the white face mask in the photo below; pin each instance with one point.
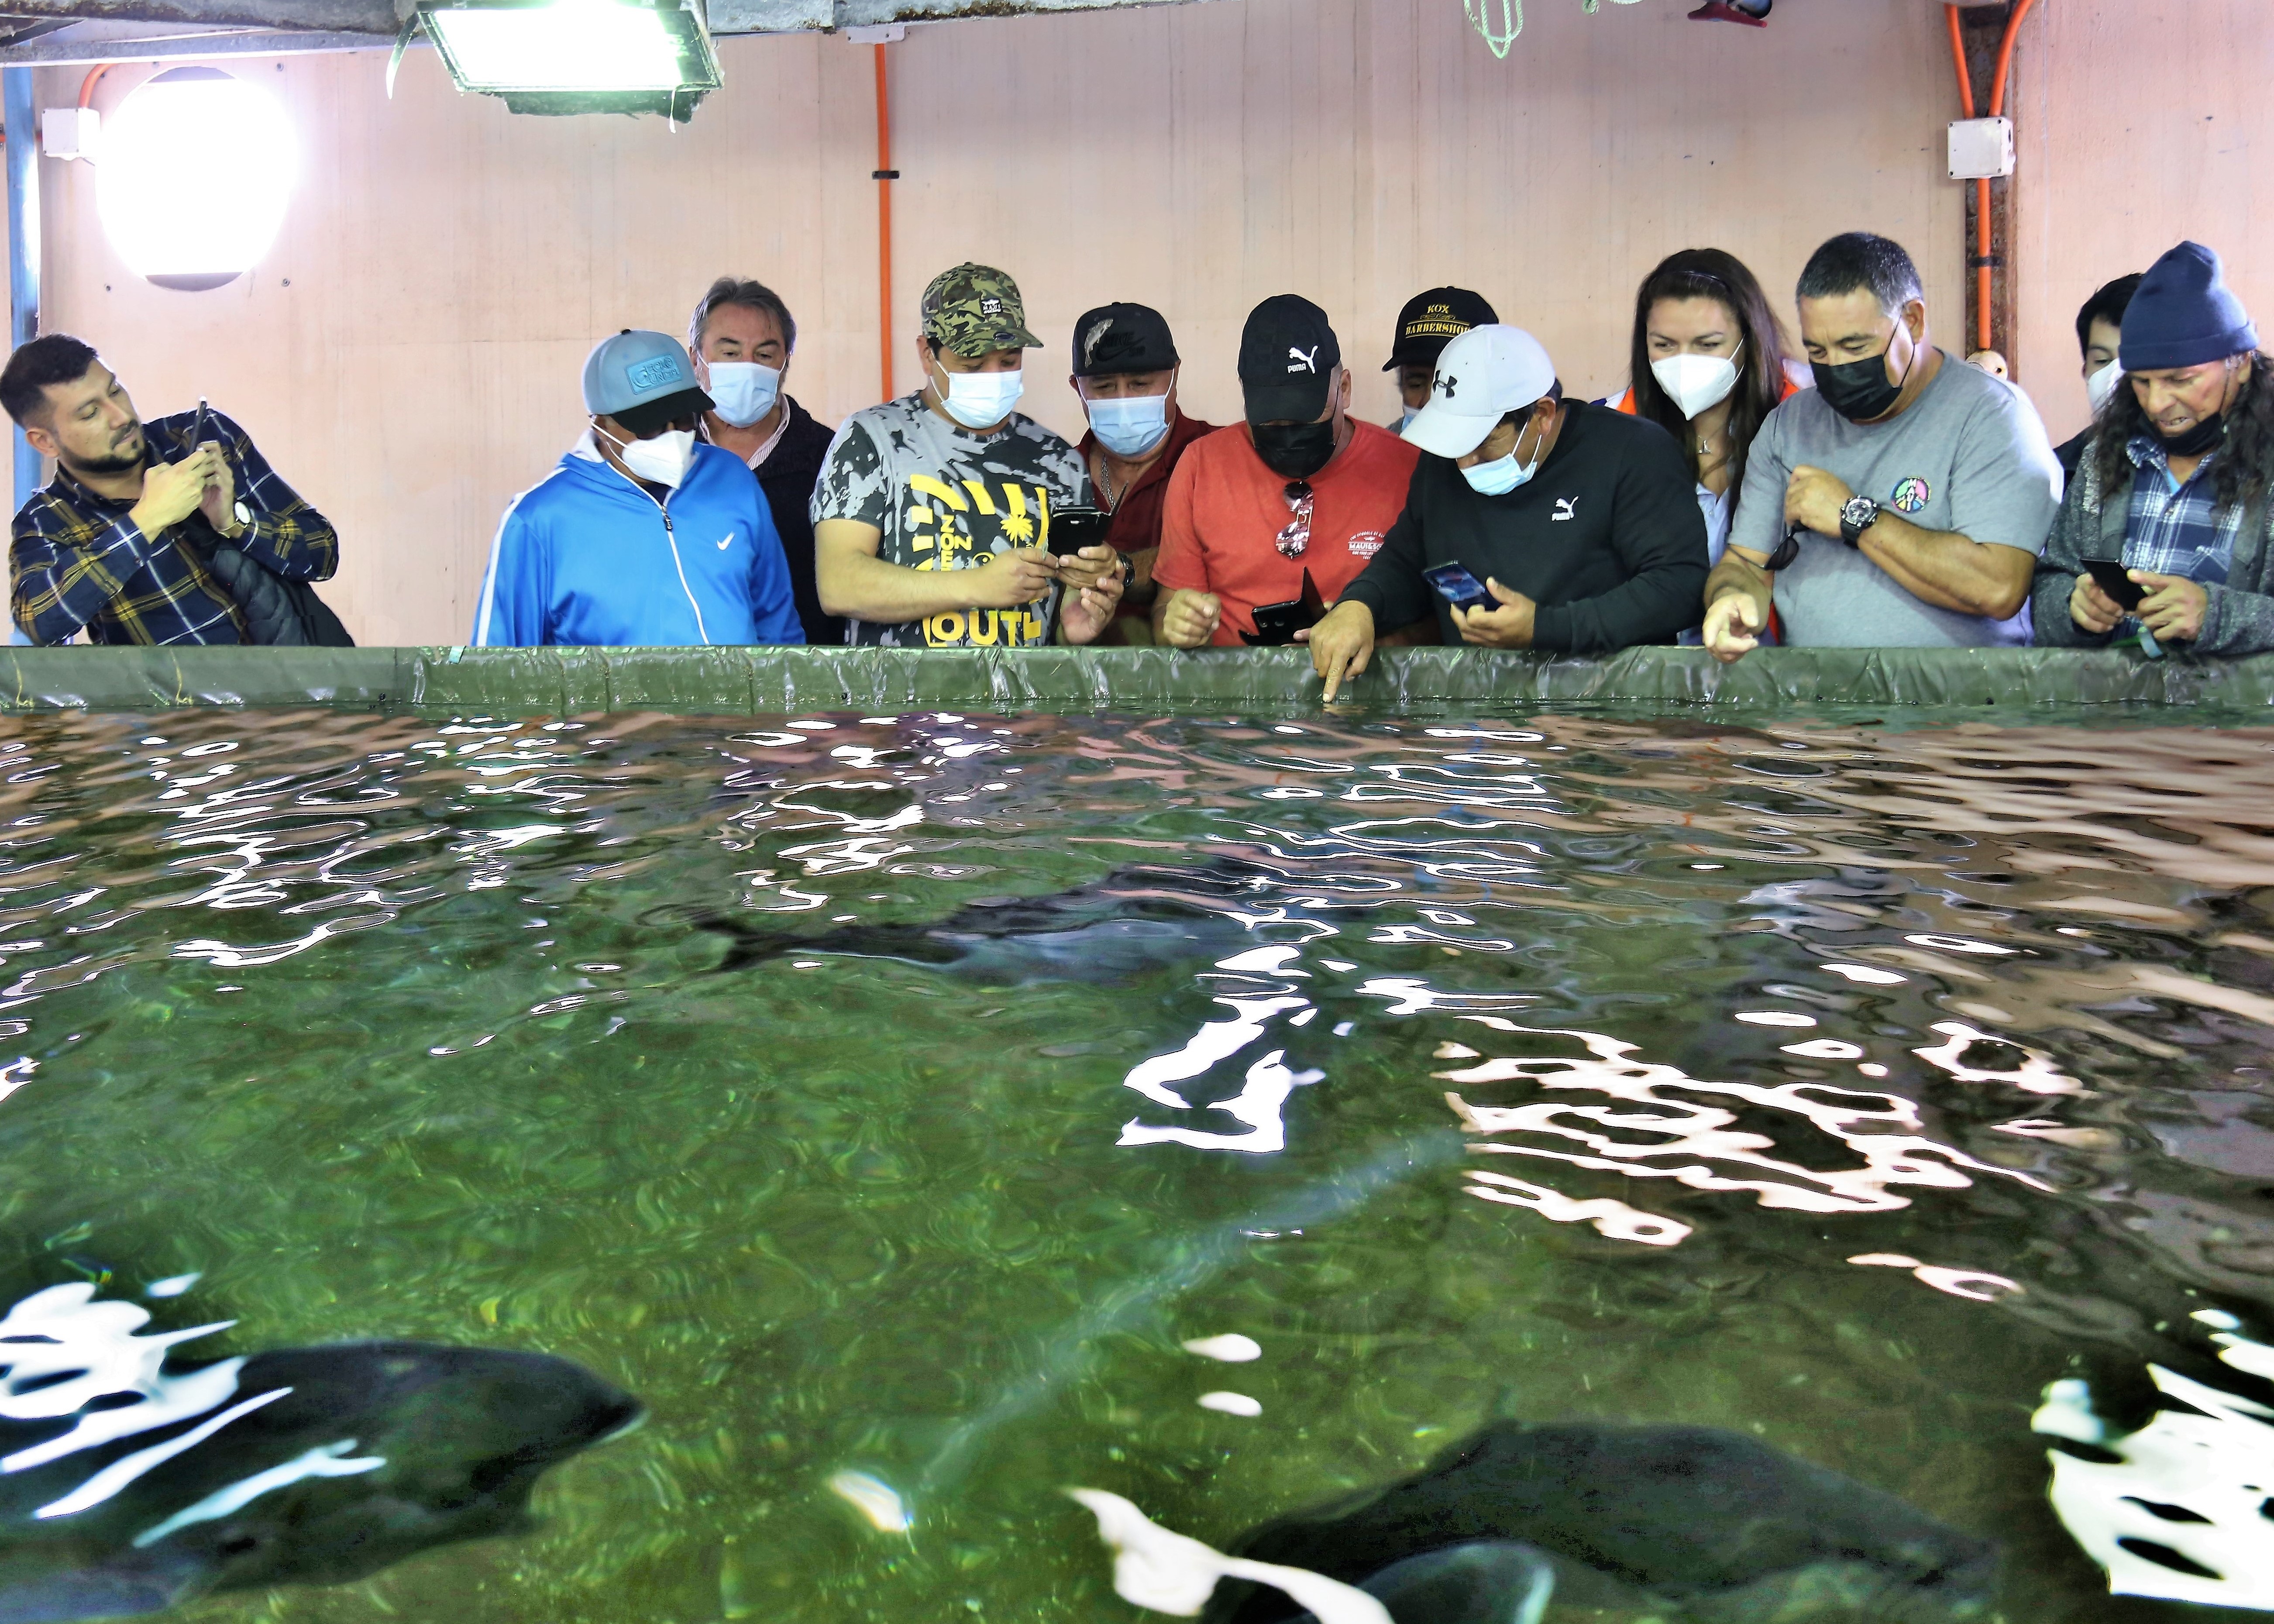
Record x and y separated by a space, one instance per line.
1132 426
981 400
2100 388
662 461
742 392
1696 383
1405 417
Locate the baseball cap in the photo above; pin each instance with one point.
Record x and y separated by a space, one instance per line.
642 380
1288 357
1122 338
1431 320
1482 376
976 310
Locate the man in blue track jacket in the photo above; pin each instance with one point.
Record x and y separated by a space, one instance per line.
641 537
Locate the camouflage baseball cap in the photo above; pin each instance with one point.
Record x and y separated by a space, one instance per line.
975 309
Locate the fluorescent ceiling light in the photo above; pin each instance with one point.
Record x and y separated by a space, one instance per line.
558 55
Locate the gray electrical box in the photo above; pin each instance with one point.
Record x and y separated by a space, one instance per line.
1981 148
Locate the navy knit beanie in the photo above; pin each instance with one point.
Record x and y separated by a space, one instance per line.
2184 314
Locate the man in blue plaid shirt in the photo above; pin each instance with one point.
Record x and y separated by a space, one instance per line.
136 537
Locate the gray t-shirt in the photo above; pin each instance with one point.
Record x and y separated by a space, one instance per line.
1970 456
948 499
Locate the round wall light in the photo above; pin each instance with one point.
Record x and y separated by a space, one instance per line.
196 168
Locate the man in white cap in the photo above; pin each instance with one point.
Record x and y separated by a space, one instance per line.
641 537
1565 525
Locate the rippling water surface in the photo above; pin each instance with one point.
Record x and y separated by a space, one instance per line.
1840 1085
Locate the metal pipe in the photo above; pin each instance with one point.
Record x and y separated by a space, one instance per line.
885 176
19 121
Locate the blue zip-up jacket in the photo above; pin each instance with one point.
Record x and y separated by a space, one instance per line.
588 558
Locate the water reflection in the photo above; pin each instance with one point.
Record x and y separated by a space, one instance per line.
894 1094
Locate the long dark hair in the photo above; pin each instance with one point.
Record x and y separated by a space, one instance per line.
1710 274
2246 457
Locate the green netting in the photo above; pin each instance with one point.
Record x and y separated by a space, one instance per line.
567 682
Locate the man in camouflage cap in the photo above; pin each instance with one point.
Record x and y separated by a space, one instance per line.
931 516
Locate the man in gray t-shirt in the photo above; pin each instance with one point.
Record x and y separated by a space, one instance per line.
1917 490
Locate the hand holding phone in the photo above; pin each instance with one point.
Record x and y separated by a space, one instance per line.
2109 575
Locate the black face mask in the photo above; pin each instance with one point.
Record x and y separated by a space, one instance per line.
2202 436
1294 450
1859 390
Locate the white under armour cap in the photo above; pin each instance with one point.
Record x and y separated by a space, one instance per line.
1482 375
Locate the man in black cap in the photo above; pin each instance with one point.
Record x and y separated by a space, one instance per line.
1429 322
1301 485
1125 369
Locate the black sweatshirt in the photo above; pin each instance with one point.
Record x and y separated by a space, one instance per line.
1606 538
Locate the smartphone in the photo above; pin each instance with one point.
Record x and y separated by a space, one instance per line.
1277 624
2125 591
198 428
1073 528
1457 587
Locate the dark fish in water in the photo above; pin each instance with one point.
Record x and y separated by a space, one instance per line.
1689 1521
1133 921
129 1483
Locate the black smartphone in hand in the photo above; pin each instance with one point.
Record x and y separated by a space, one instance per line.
2108 575
1277 624
1073 528
198 428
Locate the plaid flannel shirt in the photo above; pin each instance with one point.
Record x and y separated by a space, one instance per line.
77 560
2177 529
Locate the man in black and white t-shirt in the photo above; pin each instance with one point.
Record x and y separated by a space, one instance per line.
931 517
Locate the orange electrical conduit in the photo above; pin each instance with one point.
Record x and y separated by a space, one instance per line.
885 176
1982 222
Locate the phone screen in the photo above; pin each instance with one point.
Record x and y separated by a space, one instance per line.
1457 586
2125 592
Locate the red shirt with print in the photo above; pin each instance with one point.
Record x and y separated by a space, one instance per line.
1221 522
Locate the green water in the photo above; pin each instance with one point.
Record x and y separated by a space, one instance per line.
387 1026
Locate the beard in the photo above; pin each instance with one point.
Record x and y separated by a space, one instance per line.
117 460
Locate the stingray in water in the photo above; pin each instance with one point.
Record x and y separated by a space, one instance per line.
1685 1522
129 1483
1133 921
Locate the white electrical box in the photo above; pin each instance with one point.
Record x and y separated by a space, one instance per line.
70 131
1981 148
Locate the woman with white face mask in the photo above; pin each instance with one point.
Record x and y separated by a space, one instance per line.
1709 364
1126 368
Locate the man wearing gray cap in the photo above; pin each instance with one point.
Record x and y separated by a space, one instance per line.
641 537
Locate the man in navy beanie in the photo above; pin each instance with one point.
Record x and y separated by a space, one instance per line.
2175 485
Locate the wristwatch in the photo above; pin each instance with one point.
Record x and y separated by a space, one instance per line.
1858 515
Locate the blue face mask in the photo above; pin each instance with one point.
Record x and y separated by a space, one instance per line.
1132 426
1502 475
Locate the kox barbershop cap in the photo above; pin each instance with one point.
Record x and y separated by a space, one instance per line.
1482 376
975 309
2184 314
1288 360
1433 319
1122 338
644 380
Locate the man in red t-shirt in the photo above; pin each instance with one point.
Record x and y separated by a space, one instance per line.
1300 485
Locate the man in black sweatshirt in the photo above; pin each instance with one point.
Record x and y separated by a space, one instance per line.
1580 524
